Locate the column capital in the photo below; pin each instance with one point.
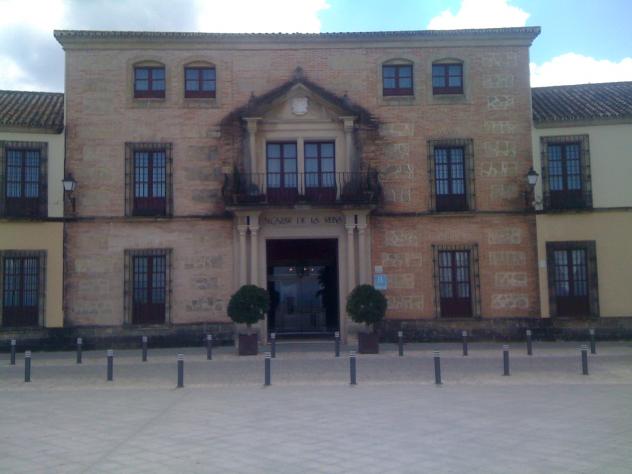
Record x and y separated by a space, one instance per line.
242 228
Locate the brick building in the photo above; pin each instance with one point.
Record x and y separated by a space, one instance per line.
304 163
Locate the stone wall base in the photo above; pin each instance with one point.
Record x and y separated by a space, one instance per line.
506 329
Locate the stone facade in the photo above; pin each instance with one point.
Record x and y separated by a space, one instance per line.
493 113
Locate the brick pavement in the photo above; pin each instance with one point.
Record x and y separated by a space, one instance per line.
546 417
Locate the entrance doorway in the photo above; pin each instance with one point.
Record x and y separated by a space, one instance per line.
303 286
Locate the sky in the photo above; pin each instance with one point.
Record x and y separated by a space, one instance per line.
581 41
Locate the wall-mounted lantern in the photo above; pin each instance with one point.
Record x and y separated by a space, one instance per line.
529 194
69 187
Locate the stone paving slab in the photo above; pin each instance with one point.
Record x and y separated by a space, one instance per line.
545 418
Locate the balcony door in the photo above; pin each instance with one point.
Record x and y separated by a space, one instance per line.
320 171
282 176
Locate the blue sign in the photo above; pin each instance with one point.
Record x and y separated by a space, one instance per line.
380 281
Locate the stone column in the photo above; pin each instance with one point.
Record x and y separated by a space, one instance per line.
349 145
362 254
254 249
243 268
251 125
350 225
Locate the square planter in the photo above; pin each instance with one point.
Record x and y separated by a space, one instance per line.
368 343
248 344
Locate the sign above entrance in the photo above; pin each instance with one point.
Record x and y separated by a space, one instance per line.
302 220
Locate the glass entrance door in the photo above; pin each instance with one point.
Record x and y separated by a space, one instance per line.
303 286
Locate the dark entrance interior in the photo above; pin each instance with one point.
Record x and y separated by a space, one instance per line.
303 286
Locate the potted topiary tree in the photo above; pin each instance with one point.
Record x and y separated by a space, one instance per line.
247 306
367 305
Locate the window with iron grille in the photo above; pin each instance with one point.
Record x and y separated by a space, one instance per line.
457 282
572 275
397 79
148 179
199 82
447 78
566 172
149 82
23 179
147 286
451 173
22 280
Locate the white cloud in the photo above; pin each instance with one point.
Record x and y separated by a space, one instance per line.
30 58
573 68
480 14
257 16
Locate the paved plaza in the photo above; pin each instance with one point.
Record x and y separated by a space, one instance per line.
545 418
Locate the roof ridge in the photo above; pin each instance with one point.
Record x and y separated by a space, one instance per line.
585 84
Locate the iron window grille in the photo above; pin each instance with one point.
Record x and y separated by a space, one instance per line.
147 286
23 179
148 179
566 175
22 288
456 281
397 79
572 279
451 174
149 82
199 82
447 78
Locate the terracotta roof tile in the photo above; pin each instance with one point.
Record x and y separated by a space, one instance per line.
611 100
43 110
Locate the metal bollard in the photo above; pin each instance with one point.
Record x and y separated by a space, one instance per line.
584 350
267 375
79 346
144 346
464 337
13 343
273 345
209 347
352 368
110 371
529 343
337 343
437 367
400 342
593 344
27 366
506 359
180 370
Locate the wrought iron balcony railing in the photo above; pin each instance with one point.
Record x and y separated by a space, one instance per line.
310 188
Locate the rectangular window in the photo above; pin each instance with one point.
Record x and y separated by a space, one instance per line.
447 79
566 172
456 280
22 288
199 82
572 278
148 179
23 182
451 173
149 289
149 82
282 176
450 178
320 171
397 80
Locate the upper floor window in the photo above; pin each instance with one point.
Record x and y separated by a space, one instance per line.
23 179
149 183
320 171
566 172
451 172
447 78
199 82
149 82
23 275
397 79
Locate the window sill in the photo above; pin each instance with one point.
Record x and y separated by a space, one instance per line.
398 100
448 99
147 102
200 102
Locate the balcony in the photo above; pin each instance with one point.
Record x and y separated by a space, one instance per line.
324 188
